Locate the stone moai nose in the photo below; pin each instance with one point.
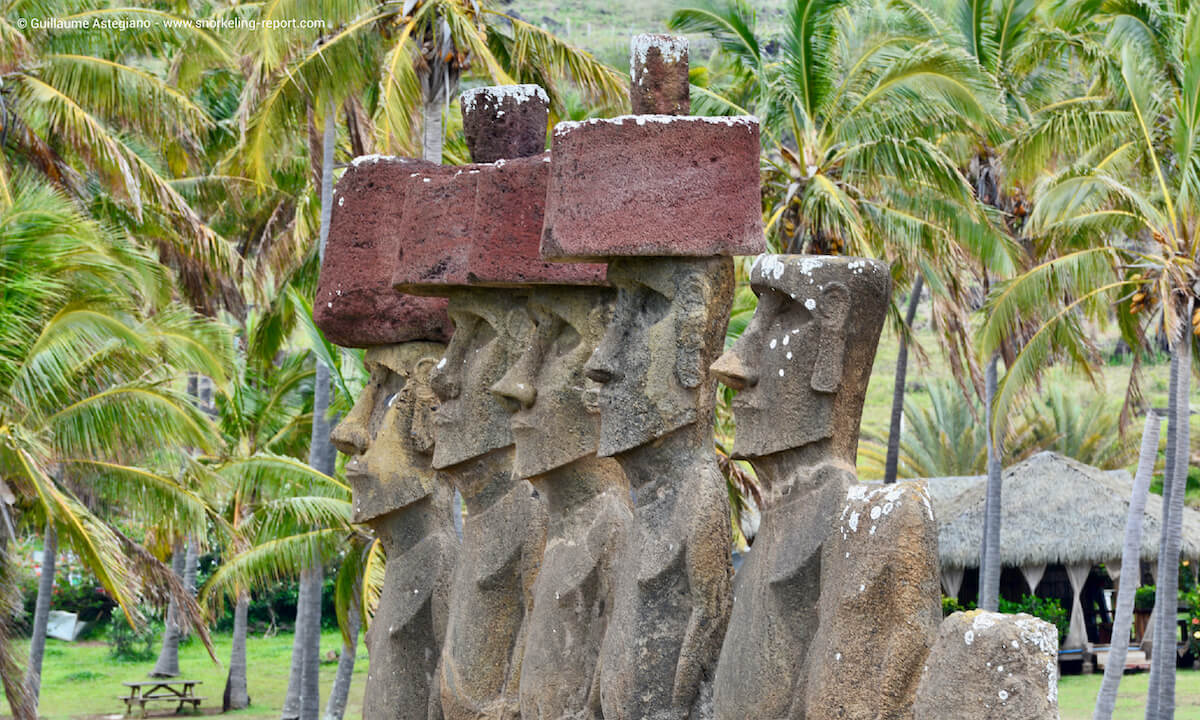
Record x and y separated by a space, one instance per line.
658 70
505 121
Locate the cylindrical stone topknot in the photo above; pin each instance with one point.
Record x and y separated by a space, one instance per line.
505 121
658 69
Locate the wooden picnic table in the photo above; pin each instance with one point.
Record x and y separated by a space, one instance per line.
182 692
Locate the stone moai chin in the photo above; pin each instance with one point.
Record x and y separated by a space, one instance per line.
587 498
389 439
665 199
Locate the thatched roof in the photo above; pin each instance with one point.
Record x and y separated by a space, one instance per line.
1054 510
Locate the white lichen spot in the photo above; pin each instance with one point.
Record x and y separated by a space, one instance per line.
838 657
968 637
983 621
808 264
789 355
876 512
329 304
773 343
810 304
1003 695
780 372
862 587
341 201
857 492
426 180
441 363
785 339
853 522
872 530
767 266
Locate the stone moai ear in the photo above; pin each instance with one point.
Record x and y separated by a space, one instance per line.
831 312
691 299
423 403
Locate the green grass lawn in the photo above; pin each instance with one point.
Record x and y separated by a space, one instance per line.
82 681
1077 696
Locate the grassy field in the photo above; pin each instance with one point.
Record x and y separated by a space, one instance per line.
82 681
1077 696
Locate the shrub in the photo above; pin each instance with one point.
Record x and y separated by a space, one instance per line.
1048 609
951 605
1143 598
130 645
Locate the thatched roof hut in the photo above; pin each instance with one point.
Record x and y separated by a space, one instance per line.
1054 511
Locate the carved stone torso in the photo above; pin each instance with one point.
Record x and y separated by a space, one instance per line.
763 668
672 598
572 605
490 596
406 635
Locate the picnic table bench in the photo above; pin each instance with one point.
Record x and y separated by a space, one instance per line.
182 692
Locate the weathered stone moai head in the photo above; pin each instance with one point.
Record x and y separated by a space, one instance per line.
546 389
667 326
802 364
491 329
389 433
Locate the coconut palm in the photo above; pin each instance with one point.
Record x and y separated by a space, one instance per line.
73 108
1124 213
89 411
857 109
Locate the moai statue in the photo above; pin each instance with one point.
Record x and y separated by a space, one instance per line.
389 437
390 440
479 224
665 199
587 498
795 643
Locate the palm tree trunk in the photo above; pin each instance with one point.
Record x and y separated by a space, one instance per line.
310 681
237 695
1106 699
989 572
291 699
16 690
1168 584
41 612
891 468
306 647
167 664
340 693
1155 683
431 130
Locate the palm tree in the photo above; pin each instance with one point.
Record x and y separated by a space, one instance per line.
74 110
88 410
1124 213
857 111
1106 698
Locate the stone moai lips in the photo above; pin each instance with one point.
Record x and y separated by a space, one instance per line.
658 71
388 434
545 388
654 185
355 305
802 365
505 121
